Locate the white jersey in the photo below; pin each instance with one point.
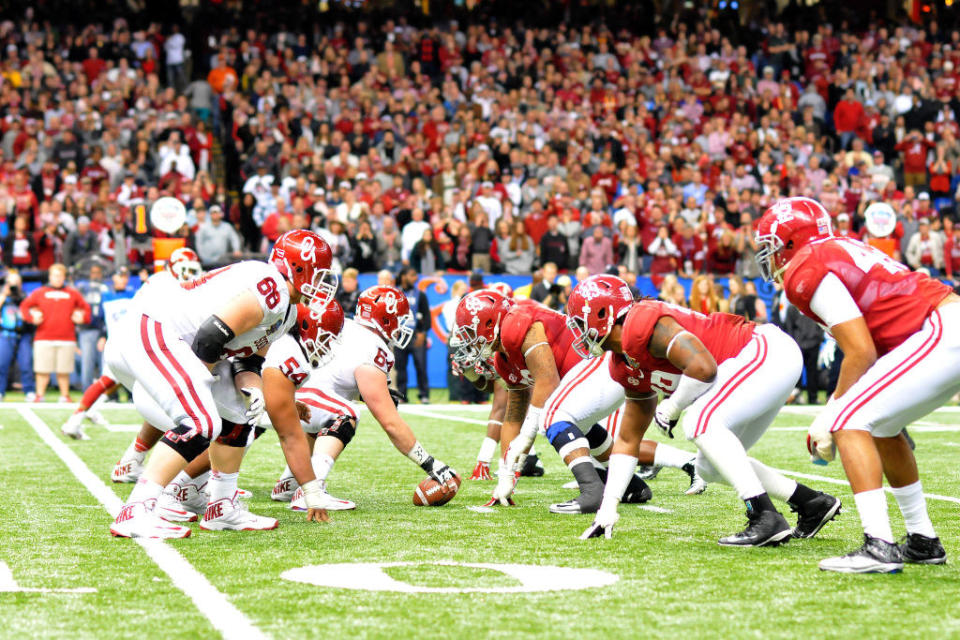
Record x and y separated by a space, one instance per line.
185 310
160 286
357 346
114 311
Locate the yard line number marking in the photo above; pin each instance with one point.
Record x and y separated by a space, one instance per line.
213 604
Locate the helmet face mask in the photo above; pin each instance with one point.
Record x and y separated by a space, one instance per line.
184 265
593 308
477 330
319 331
304 259
386 310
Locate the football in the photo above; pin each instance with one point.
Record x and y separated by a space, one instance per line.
431 493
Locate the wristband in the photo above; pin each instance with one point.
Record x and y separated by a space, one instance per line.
531 423
420 456
312 493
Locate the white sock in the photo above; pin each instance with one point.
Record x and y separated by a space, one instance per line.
487 449
322 464
872 506
533 450
286 474
580 460
222 485
620 472
913 506
667 456
201 480
144 490
181 479
777 485
726 454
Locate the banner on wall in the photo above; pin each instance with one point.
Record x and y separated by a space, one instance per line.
437 290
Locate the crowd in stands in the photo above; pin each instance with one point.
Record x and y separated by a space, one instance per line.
484 146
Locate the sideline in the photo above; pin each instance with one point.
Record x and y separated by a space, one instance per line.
213 604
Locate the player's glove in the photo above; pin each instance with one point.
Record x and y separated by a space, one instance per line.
255 404
820 442
506 483
603 523
313 497
439 471
396 396
828 352
481 471
666 416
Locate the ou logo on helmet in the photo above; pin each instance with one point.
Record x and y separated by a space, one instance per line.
390 302
308 250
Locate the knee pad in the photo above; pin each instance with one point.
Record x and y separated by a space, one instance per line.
599 440
565 437
186 441
343 429
234 435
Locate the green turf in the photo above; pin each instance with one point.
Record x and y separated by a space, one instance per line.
674 578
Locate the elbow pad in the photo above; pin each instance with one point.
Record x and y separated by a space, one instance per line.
212 336
253 364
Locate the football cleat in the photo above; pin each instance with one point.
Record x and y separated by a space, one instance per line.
814 514
875 556
918 549
228 514
284 489
181 503
697 484
244 494
648 472
127 471
481 471
298 503
637 492
764 529
568 507
96 418
73 427
137 520
532 467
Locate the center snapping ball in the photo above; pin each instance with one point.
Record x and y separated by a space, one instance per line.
431 493
168 214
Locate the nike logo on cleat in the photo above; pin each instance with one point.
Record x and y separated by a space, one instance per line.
214 511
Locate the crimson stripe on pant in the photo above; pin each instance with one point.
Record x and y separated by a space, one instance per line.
320 405
193 392
344 407
730 386
891 376
155 359
583 375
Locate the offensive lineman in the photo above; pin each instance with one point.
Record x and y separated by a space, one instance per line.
165 353
731 375
897 331
357 366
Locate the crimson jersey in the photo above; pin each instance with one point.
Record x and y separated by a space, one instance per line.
723 334
511 365
894 301
644 375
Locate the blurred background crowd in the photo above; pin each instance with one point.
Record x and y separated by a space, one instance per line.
549 140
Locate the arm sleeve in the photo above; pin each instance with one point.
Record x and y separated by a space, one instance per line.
833 303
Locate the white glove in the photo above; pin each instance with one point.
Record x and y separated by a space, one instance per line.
666 416
255 404
828 352
603 522
820 442
506 483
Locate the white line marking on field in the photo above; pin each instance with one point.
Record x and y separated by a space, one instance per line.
9 585
123 428
215 606
654 508
423 413
480 509
811 476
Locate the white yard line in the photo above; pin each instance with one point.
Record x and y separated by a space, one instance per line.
654 508
426 413
213 604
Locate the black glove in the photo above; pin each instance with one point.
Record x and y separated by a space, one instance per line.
396 396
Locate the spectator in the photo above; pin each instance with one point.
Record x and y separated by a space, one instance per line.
630 249
461 258
426 256
93 290
759 306
217 240
808 336
913 150
554 246
951 254
389 245
412 232
20 248
597 251
348 292
703 298
461 389
548 289
175 49
81 243
722 257
55 309
482 241
925 249
516 253
664 253
364 248
417 349
16 337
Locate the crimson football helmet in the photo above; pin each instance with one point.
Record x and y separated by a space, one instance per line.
318 329
386 310
477 325
502 288
787 226
304 259
184 264
593 307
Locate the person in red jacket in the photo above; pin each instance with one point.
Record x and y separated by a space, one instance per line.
846 117
55 309
914 148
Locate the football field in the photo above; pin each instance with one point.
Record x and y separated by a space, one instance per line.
452 571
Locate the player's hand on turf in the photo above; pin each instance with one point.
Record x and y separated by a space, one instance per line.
303 411
506 483
820 442
666 417
255 404
481 471
602 524
317 515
